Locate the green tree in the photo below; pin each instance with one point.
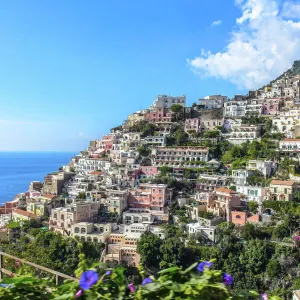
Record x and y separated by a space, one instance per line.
148 247
144 150
249 232
273 268
253 206
176 108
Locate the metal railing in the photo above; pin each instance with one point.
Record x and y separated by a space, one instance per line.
9 273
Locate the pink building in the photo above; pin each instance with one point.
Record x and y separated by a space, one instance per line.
271 106
159 115
192 124
154 196
241 217
106 143
224 201
149 171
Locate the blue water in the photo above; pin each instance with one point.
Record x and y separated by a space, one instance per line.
18 169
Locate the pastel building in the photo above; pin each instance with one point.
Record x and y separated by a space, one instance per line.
225 200
282 190
91 232
148 171
156 196
192 125
272 106
159 114
176 156
63 218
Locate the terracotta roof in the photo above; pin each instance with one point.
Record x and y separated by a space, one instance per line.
95 173
282 182
48 196
225 190
291 140
23 213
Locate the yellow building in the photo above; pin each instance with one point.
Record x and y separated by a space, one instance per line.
282 190
37 208
19 215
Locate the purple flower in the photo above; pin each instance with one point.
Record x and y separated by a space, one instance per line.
147 281
131 287
88 279
78 294
296 238
227 279
204 264
107 273
264 296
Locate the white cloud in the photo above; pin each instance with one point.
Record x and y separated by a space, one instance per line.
216 23
291 10
263 45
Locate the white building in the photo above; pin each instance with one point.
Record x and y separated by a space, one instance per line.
92 232
285 124
212 102
239 177
206 231
290 145
243 133
159 141
267 168
176 156
87 165
252 193
235 108
167 101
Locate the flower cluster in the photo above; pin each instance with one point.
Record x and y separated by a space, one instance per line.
227 279
297 238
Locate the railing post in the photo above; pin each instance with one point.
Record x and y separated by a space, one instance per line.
56 279
0 266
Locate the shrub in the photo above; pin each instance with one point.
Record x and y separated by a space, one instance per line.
198 281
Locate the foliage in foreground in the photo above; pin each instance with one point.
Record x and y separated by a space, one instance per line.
198 281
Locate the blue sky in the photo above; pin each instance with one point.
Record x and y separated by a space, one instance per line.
71 70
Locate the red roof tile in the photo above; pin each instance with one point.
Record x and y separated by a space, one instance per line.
282 182
23 213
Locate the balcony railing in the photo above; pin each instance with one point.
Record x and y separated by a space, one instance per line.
57 275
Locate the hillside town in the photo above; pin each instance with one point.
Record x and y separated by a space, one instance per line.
218 160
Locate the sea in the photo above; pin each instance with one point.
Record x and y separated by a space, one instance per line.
18 169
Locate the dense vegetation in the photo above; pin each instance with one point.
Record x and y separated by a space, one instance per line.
261 258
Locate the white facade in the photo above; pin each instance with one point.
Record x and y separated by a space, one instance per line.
285 124
92 232
235 108
212 102
267 168
252 193
290 145
167 101
176 156
86 165
243 133
239 177
206 231
159 141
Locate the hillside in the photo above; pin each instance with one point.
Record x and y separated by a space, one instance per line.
293 71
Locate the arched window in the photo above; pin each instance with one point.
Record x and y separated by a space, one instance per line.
83 230
76 230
